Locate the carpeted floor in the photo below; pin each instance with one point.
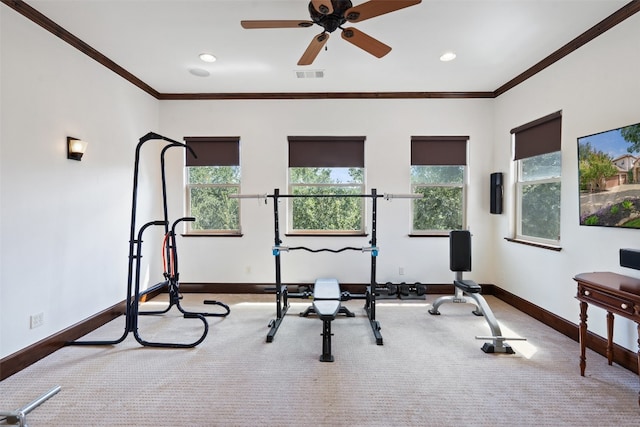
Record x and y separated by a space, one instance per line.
429 372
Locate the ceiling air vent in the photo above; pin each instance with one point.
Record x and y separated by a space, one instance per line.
310 74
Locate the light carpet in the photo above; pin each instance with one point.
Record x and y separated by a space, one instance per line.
429 372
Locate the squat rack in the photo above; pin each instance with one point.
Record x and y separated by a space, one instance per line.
282 293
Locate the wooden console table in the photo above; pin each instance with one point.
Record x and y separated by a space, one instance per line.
615 293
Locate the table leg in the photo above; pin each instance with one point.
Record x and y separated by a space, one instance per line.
583 336
638 359
609 337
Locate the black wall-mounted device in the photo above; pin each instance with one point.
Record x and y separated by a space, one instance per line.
630 258
496 193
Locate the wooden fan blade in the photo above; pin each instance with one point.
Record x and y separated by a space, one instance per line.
323 6
275 24
365 42
374 8
313 49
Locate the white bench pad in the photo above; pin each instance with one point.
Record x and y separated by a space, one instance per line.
326 289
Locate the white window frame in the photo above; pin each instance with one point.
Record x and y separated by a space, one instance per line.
188 224
463 186
520 183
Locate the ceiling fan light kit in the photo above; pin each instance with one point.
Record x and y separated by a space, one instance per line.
333 14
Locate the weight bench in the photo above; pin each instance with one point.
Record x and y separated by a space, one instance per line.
460 261
326 304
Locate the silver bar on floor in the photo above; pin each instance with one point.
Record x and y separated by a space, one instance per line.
489 337
19 416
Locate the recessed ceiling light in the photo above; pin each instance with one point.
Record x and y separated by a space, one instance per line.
207 57
447 56
199 72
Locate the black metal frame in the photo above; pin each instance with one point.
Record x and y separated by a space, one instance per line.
171 254
134 268
282 293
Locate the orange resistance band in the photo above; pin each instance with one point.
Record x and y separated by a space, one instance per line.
164 256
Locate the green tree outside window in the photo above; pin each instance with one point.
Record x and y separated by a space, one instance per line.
442 205
335 214
208 190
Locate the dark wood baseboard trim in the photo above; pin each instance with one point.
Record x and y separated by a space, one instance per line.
622 356
29 355
253 288
555 322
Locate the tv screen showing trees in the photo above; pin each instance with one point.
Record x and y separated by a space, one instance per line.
609 168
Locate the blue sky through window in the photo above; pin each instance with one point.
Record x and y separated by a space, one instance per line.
610 142
341 175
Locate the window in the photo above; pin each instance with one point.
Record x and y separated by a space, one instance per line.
438 171
538 174
211 178
326 166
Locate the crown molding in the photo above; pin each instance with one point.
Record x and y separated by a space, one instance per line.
606 24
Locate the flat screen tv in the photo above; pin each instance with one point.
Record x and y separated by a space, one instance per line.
609 170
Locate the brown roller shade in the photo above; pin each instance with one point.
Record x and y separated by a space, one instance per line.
439 150
213 150
538 137
326 151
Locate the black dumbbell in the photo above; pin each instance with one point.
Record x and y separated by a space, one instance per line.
420 289
404 289
391 289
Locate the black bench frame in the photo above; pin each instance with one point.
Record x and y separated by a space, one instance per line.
326 304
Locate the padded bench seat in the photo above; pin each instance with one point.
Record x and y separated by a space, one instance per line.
326 309
326 289
468 286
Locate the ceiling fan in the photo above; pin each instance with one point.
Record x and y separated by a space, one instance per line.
331 15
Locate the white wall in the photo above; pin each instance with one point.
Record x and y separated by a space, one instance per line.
64 224
597 88
388 125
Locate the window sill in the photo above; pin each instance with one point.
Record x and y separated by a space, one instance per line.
213 235
534 244
326 234
429 235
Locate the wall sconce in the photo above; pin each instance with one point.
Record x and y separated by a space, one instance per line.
75 148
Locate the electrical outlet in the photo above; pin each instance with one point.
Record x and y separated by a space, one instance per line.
401 271
36 320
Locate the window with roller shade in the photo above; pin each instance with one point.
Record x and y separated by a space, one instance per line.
210 178
438 172
326 166
538 157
